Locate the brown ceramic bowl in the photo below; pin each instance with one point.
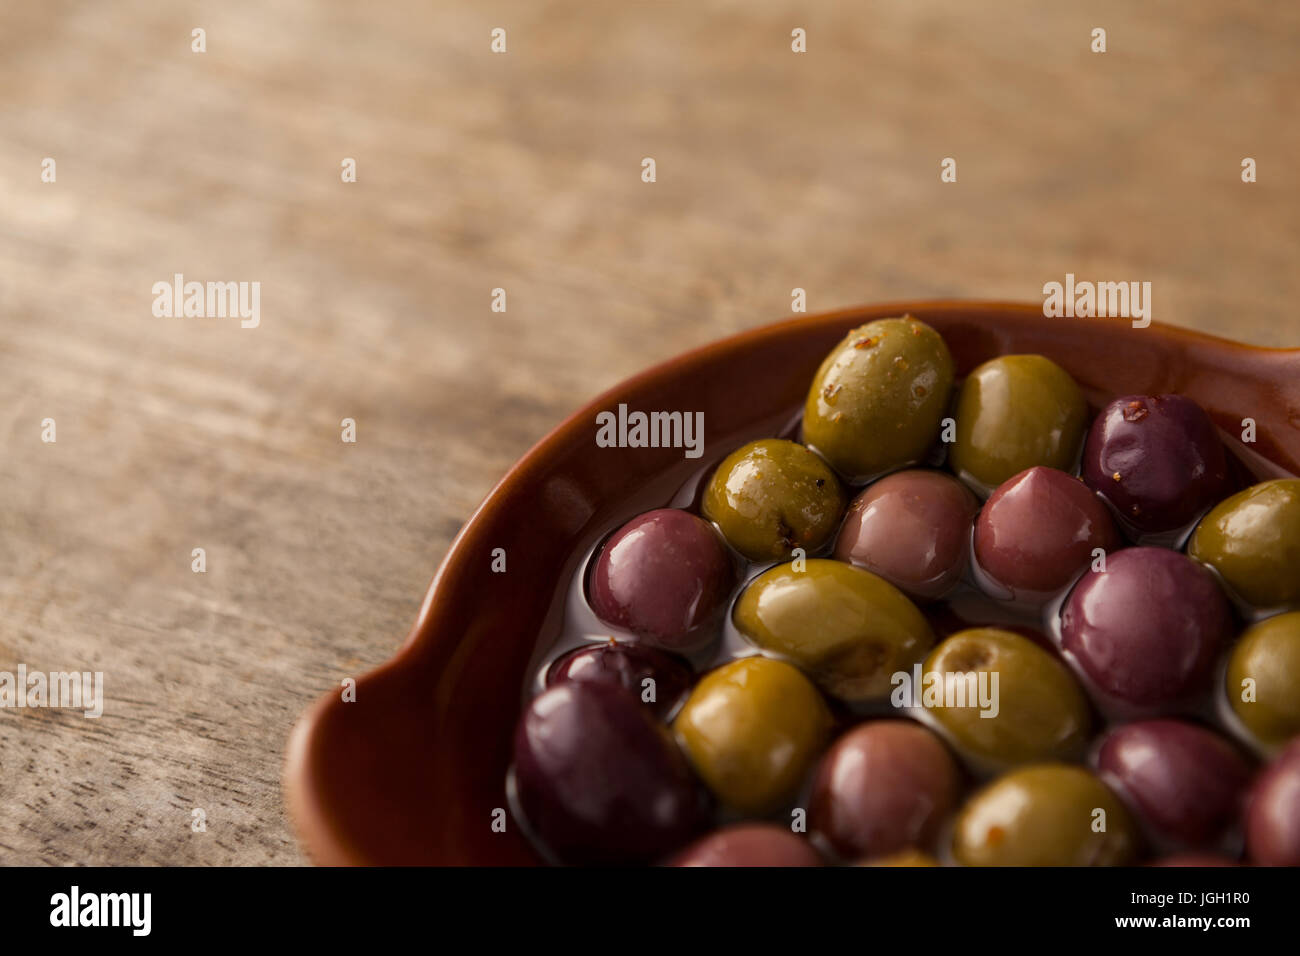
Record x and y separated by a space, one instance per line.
411 772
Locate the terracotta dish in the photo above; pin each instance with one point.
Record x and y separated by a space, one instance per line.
411 772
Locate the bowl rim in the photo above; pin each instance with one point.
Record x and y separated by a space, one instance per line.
322 840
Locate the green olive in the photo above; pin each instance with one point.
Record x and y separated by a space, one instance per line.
752 729
1013 413
1045 815
878 399
847 628
771 496
908 857
1032 708
1263 679
1253 540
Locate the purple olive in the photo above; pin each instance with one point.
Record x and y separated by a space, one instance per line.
665 576
912 529
1038 530
599 781
627 667
749 844
1185 782
1157 459
1273 816
1194 859
885 786
1146 630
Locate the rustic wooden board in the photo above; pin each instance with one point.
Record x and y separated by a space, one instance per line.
478 171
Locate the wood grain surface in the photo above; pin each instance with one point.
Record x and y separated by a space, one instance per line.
477 171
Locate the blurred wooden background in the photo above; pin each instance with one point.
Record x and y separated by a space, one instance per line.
478 171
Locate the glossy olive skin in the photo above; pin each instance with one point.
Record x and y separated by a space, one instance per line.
1273 812
902 858
1267 654
1157 459
1038 530
752 728
1041 713
627 667
847 628
1148 628
749 844
1253 540
1185 782
665 576
1015 412
879 397
772 496
1044 816
913 529
884 787
599 781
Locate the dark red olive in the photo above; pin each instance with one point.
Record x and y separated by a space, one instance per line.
1040 529
885 786
1186 783
1194 859
665 576
911 528
1147 629
749 844
627 667
1273 817
1157 459
599 781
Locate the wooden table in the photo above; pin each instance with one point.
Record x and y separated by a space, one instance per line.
478 171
